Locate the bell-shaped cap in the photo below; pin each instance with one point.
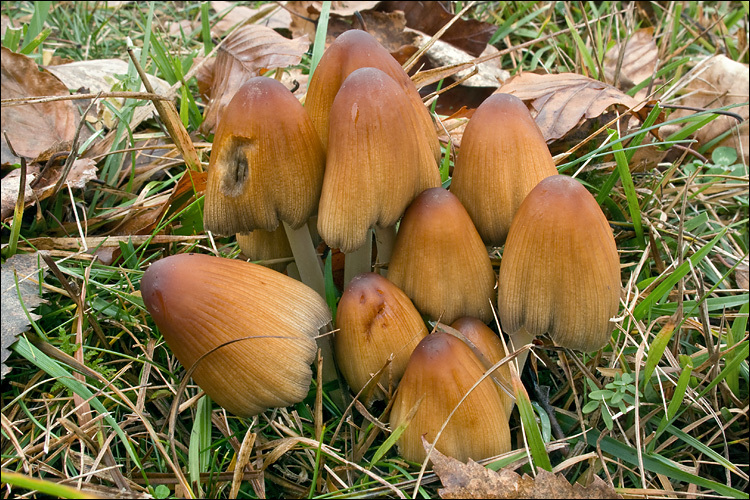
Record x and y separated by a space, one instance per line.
376 163
251 329
491 347
560 271
440 372
502 157
266 164
352 50
375 320
439 260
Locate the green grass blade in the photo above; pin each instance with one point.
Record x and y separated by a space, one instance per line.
677 397
629 188
55 490
36 42
320 37
208 44
530 426
638 139
582 49
332 294
656 350
199 451
671 280
734 335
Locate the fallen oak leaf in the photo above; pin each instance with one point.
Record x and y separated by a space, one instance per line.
559 102
247 52
472 480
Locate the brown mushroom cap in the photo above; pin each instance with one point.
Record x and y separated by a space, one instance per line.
502 157
375 165
352 50
560 271
439 260
375 320
200 302
441 370
492 348
266 164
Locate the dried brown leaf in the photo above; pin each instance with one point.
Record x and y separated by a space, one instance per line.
714 82
472 480
278 18
468 35
249 51
560 102
14 320
742 275
638 60
82 171
33 128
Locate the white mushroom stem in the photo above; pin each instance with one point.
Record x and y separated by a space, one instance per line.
519 339
358 261
385 238
311 273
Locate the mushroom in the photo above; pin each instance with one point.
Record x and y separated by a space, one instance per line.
439 260
376 165
441 371
493 350
352 50
267 167
502 157
270 246
248 330
560 271
376 320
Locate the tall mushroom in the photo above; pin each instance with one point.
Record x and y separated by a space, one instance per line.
441 371
502 157
352 50
375 165
375 320
267 167
560 271
248 329
439 260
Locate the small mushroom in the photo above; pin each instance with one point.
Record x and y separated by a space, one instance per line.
502 157
265 245
560 271
376 164
248 329
352 50
491 347
439 260
376 320
441 371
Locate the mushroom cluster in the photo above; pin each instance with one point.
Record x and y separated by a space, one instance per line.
362 155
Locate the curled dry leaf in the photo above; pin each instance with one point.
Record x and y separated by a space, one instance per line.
638 61
248 52
472 480
82 171
469 35
560 102
714 82
273 17
33 128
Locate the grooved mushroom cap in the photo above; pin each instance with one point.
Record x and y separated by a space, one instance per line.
375 319
560 271
352 50
502 157
266 164
439 260
442 369
200 302
492 348
376 164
